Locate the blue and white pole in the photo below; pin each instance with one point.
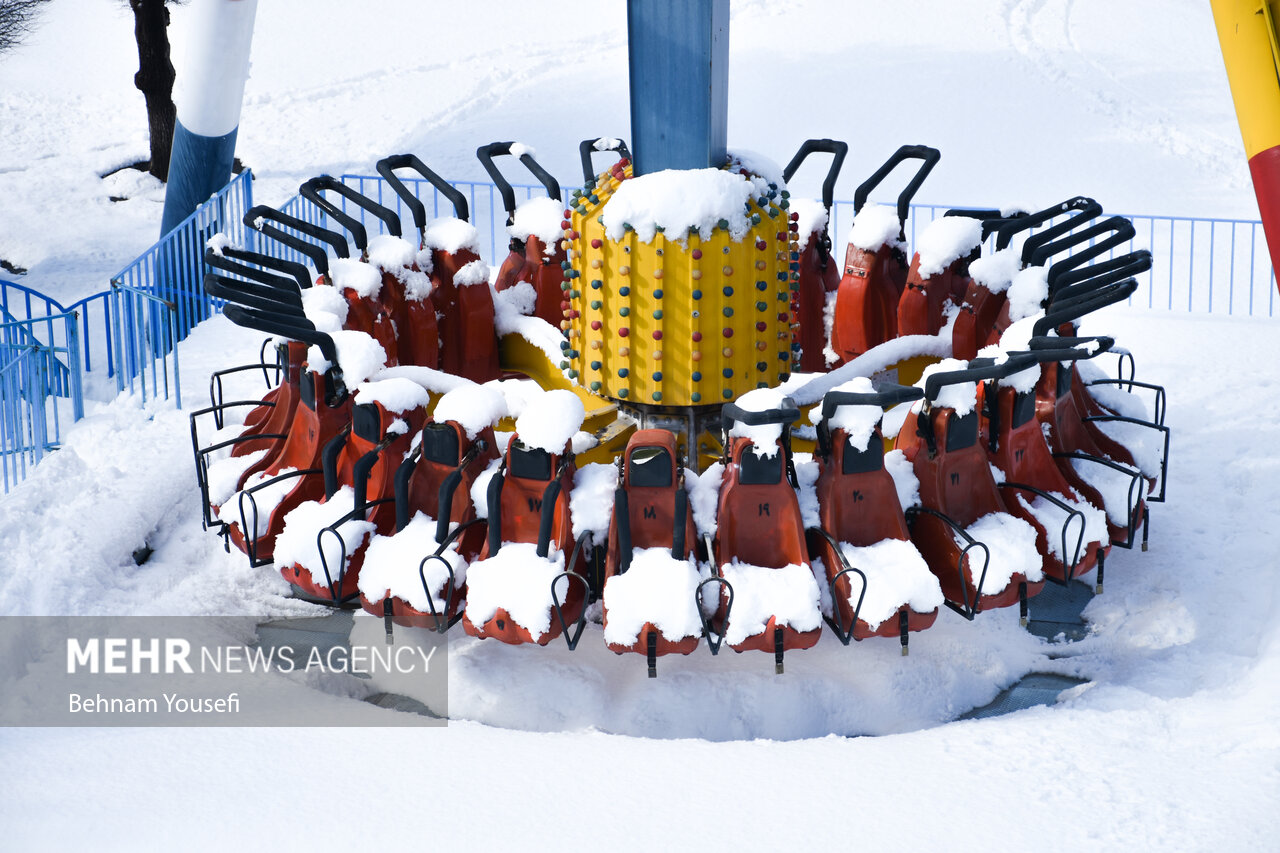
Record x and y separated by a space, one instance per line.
210 90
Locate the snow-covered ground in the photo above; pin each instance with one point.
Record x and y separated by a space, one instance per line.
1173 744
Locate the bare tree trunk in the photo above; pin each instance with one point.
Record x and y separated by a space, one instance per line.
155 78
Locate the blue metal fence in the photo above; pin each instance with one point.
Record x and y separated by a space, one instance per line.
161 293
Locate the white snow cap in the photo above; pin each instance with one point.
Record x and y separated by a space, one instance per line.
472 272
519 581
364 279
875 225
1011 543
607 143
811 216
397 256
218 242
896 575
540 217
904 478
395 395
678 200
448 234
1029 289
391 566
789 593
551 421
325 307
391 253
763 436
768 171
473 407
704 496
1024 381
655 588
591 501
946 240
519 149
859 422
298 542
359 355
996 271
962 396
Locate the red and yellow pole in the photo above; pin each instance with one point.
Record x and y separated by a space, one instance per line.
1251 51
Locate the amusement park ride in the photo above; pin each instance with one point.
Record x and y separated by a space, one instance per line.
674 410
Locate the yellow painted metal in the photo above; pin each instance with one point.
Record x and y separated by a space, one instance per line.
1251 53
682 321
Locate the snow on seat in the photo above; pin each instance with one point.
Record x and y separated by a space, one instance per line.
858 505
512 590
760 530
897 577
650 515
394 569
1011 550
302 547
957 492
939 274
656 590
530 527
224 475
769 598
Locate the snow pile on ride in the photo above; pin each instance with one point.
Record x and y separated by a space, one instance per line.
297 544
448 234
945 241
350 273
704 496
788 594
552 421
359 356
961 397
264 500
472 407
223 475
858 422
1120 489
875 226
655 588
539 217
904 477
763 437
394 394
591 501
896 575
1011 544
680 201
391 567
996 271
811 217
518 581
1051 517
1027 293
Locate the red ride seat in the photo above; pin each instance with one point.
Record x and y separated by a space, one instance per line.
436 480
956 490
858 504
1019 449
374 448
467 343
650 510
866 310
529 504
758 523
